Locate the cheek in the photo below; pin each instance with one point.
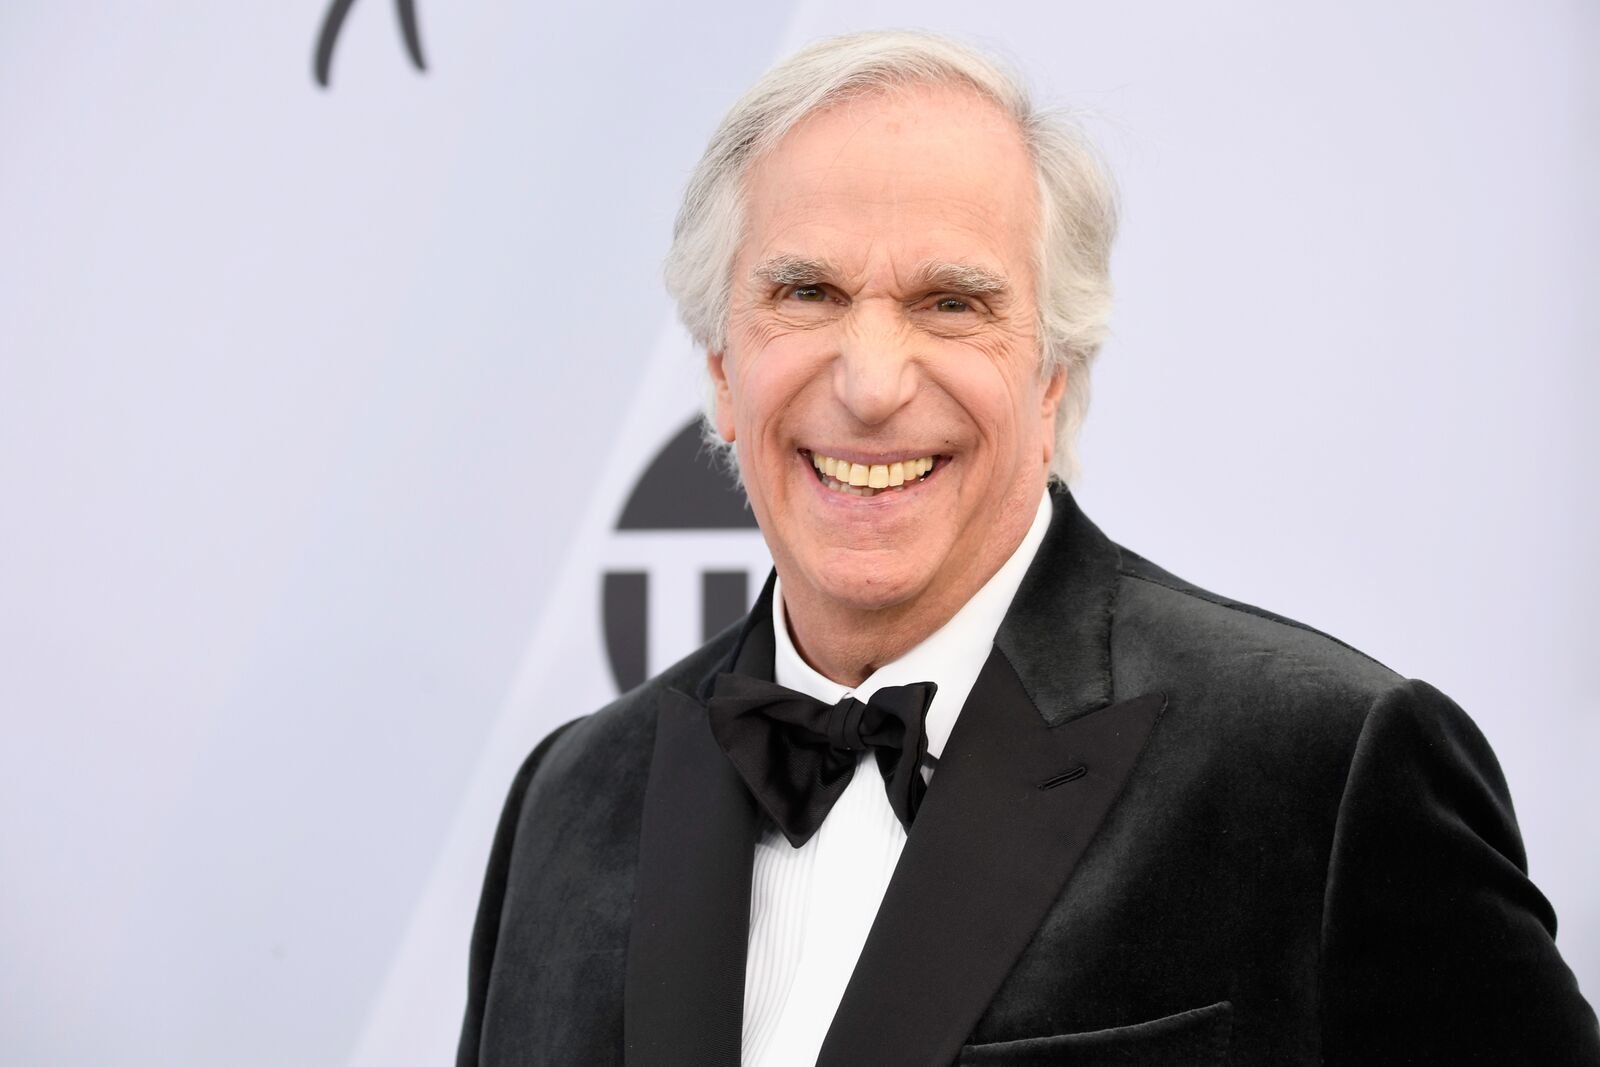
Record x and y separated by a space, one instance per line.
1000 406
749 420
773 388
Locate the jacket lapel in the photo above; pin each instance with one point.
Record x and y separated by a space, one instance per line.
684 994
1013 806
1037 758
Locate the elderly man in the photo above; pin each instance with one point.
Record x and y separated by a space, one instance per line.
971 783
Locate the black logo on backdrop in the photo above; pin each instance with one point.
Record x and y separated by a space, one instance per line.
333 22
681 489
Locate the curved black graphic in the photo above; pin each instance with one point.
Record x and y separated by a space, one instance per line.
624 602
682 488
333 22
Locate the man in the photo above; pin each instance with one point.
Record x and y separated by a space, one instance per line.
1018 796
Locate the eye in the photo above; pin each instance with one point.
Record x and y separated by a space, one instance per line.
811 294
952 304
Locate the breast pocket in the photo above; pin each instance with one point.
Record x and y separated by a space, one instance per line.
1196 1037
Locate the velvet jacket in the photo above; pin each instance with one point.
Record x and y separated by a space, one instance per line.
1167 828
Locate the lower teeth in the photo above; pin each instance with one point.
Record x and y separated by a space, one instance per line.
855 490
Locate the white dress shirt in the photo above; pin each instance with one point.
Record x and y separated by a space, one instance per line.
811 907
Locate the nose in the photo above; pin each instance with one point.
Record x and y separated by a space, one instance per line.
875 374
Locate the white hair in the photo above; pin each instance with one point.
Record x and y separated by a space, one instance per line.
1077 210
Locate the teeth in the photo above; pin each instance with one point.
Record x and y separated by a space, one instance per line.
861 479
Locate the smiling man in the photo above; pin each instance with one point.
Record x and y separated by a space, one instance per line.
971 783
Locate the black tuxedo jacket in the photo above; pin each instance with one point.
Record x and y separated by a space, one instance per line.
1167 828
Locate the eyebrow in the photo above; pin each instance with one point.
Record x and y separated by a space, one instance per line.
965 278
792 270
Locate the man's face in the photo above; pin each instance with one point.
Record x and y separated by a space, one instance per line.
883 316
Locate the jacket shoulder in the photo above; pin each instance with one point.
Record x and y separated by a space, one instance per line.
1165 624
622 733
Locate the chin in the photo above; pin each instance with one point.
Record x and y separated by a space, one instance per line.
869 588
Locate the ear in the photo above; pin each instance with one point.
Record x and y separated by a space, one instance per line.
722 394
1049 403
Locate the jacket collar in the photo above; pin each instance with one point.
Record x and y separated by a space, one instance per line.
1057 634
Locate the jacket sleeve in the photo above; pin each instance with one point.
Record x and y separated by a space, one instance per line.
486 928
1436 948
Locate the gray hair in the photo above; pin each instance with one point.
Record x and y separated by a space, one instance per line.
1077 209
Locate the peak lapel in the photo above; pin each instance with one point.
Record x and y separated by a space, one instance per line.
684 995
1011 810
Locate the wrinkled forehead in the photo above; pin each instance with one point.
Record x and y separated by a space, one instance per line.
908 175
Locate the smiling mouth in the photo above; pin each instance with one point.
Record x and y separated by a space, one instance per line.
861 479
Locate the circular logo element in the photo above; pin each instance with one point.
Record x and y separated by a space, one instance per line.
686 526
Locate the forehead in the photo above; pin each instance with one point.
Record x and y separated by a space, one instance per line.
920 173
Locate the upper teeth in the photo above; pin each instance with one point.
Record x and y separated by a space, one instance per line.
874 476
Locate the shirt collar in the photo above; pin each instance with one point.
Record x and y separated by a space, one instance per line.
950 657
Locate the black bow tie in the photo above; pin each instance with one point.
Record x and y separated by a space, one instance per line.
796 754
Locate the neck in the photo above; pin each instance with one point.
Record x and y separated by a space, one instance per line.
848 650
846 643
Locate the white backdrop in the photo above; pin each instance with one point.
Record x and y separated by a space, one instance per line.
318 409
